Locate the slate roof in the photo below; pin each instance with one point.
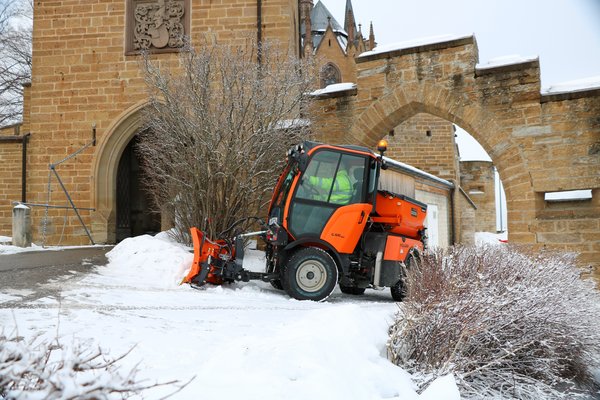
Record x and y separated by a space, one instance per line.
320 18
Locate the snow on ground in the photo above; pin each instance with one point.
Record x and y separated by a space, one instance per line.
240 341
6 247
483 238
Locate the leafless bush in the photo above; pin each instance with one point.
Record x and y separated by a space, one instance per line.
218 129
39 369
507 324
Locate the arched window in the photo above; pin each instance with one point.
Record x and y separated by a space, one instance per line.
330 74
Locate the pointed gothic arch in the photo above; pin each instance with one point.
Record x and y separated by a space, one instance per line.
112 146
330 74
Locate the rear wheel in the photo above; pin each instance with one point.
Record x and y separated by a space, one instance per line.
399 290
352 290
309 274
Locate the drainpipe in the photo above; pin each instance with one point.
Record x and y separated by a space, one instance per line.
23 140
259 31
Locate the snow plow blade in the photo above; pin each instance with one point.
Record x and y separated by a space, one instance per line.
204 251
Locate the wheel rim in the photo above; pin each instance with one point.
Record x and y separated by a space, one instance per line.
311 275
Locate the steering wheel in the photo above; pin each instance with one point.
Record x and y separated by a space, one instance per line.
311 190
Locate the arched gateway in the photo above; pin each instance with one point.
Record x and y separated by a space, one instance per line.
540 142
122 208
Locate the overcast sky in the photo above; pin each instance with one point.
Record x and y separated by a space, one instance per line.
565 34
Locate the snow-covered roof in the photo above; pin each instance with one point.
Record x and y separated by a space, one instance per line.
506 60
569 195
412 43
336 87
397 165
574 86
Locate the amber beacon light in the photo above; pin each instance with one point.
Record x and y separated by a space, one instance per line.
382 146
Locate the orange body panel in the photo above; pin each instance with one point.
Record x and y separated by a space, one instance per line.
345 226
406 218
397 248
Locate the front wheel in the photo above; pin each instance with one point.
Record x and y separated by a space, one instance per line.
310 274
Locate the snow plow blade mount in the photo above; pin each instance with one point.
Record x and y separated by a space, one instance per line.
204 251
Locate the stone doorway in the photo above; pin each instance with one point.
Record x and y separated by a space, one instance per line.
135 215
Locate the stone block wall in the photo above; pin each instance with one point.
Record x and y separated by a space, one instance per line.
477 178
425 142
81 76
10 187
538 142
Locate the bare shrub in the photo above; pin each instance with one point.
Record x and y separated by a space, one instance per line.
507 324
218 129
39 369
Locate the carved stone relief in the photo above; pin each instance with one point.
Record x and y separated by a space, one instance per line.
156 25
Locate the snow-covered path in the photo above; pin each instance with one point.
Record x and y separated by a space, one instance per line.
242 341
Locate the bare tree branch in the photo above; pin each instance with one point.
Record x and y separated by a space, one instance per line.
15 57
216 132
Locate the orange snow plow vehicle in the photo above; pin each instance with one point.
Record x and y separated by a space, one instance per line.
327 224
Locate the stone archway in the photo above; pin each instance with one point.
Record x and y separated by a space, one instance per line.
539 142
105 168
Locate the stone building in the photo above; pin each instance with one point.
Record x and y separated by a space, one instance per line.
86 78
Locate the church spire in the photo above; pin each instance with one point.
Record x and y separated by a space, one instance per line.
372 42
349 21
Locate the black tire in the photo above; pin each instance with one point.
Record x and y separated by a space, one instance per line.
352 290
276 283
309 274
399 290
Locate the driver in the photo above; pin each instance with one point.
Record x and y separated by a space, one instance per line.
342 187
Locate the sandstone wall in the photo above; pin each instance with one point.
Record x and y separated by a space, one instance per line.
82 77
477 180
539 142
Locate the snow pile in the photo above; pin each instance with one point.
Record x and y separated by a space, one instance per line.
151 262
487 238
